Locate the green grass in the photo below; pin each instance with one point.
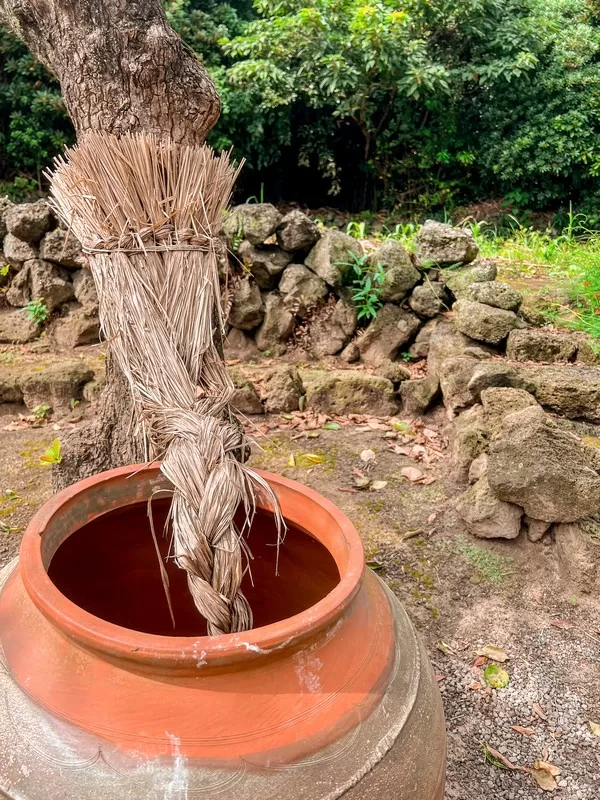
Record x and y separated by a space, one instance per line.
489 566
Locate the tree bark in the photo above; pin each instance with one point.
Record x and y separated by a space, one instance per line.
121 68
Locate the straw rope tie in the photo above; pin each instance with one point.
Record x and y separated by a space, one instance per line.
163 238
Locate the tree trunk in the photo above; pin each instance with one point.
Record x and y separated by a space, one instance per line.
121 68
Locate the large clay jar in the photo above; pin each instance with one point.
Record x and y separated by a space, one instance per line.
329 695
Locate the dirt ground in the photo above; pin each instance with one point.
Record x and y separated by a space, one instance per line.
461 593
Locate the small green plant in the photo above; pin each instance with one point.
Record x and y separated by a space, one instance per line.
406 357
358 230
4 270
52 454
367 285
41 412
73 403
36 311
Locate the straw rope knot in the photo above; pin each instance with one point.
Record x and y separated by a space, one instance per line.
149 214
161 238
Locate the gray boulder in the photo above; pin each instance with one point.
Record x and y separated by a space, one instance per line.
238 344
77 327
394 371
495 372
252 221
297 232
5 204
331 258
470 438
418 395
454 376
478 468
484 323
85 290
429 299
19 292
16 251
551 473
540 345
495 293
265 263
28 221
420 347
536 528
571 390
445 342
487 517
459 282
392 328
330 334
302 290
351 392
16 328
277 325
49 283
283 389
56 385
246 399
63 248
500 401
350 354
444 245
400 274
247 309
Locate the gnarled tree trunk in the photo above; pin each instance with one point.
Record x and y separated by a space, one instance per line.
121 68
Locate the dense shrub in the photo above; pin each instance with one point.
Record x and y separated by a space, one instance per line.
370 104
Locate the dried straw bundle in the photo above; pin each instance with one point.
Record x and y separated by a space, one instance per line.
147 213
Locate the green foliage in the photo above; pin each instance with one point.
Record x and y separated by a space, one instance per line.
42 411
36 311
366 285
419 106
34 126
52 454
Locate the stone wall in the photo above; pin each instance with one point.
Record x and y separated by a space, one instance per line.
42 263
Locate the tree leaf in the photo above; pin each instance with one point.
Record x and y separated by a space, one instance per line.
546 766
314 458
291 460
492 652
594 727
524 731
367 456
543 779
378 485
496 677
332 426
411 473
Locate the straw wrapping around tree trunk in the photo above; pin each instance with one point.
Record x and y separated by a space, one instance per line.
148 214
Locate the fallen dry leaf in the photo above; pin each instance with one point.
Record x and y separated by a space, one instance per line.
522 730
377 486
367 456
411 473
543 779
362 482
350 491
561 623
445 648
546 766
479 661
492 652
475 686
539 711
495 754
431 518
594 727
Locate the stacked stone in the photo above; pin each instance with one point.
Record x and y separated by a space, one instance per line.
42 263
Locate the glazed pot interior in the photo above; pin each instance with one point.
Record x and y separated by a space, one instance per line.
109 568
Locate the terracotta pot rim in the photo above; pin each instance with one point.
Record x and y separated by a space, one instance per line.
171 652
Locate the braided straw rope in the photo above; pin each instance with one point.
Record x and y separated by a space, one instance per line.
148 214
